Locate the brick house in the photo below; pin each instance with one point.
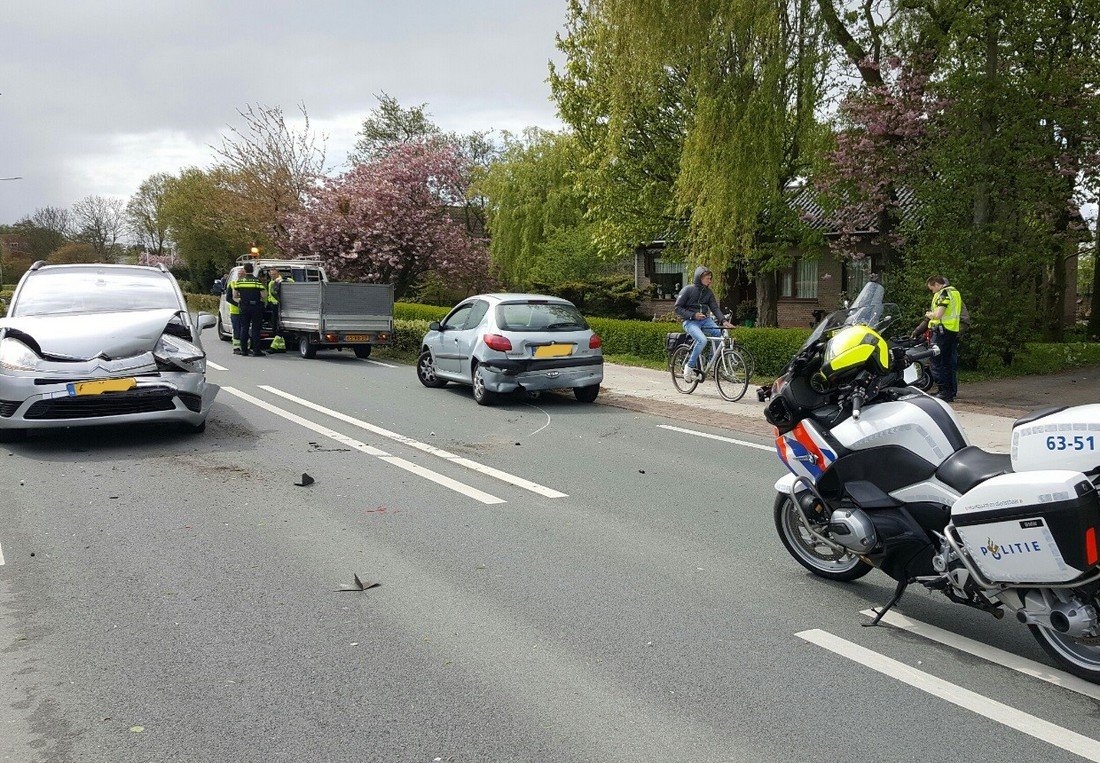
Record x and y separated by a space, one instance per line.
816 282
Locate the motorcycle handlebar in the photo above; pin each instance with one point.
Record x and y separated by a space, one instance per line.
921 353
857 403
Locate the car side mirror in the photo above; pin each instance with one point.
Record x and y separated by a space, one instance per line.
434 326
207 321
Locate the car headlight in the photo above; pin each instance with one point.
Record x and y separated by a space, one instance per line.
172 349
16 356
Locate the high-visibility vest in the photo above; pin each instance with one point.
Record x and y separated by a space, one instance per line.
250 290
271 290
950 300
233 309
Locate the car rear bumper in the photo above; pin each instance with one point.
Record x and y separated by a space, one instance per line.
510 375
26 403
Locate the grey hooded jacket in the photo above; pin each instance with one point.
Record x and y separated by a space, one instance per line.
696 298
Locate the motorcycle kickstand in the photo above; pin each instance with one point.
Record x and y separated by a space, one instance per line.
902 585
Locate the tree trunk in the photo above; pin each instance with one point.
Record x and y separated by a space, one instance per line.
767 309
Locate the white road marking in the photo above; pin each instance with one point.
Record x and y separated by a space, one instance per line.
768 448
380 363
990 653
422 446
370 450
1058 736
215 366
544 425
1 556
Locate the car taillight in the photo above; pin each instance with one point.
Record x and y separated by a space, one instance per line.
594 343
497 342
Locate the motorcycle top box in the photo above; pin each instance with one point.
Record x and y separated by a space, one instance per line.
1058 438
1031 527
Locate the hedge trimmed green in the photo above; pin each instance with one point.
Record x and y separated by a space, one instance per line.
410 311
202 303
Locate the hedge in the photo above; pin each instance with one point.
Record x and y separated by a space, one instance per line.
203 303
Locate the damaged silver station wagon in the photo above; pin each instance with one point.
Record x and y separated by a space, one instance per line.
87 345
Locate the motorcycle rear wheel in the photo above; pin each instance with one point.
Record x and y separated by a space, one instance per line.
811 553
1082 660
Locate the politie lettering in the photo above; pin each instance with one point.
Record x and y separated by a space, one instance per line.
998 551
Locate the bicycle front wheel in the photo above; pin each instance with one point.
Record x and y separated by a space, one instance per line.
676 366
731 375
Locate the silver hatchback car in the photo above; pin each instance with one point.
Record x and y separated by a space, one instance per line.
101 344
500 343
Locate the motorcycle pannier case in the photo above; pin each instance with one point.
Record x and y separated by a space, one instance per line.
1034 527
1058 438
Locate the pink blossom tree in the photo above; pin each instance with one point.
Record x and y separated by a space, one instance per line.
392 220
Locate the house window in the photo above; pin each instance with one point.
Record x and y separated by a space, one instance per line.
667 279
799 281
855 275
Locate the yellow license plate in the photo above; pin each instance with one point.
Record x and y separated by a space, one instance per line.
99 387
553 350
356 337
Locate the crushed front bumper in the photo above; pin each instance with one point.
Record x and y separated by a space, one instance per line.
43 399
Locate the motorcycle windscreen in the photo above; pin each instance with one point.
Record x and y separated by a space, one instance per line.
805 451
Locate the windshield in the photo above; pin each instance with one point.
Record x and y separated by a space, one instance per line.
539 316
72 291
877 315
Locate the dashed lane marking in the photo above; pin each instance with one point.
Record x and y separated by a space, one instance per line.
1 556
1060 737
511 479
758 446
215 366
370 450
990 653
380 363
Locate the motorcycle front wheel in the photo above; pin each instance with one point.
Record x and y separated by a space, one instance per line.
811 553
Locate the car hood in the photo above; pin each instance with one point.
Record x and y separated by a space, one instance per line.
92 335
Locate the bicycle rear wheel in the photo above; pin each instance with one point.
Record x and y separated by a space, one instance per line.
731 375
676 367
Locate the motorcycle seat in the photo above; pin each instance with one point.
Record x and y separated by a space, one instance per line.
966 468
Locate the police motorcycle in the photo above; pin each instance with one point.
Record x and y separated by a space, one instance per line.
882 475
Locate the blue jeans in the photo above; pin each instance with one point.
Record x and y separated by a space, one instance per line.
699 331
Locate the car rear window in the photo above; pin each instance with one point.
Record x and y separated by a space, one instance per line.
74 291
539 316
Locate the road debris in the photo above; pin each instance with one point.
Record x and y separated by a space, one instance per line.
306 480
360 585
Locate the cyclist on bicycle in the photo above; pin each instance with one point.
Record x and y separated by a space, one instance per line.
695 301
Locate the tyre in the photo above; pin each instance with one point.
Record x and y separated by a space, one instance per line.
811 553
482 394
425 371
731 374
193 428
13 435
362 351
676 367
306 348
587 394
222 333
1073 656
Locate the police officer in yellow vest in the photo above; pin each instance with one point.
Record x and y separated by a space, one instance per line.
274 297
234 315
945 321
249 295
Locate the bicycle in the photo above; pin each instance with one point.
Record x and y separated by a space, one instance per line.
731 372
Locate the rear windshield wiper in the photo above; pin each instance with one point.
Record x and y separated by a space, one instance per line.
564 325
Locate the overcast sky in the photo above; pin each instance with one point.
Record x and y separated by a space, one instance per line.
96 96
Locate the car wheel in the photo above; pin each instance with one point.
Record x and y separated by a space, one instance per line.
13 435
587 394
425 371
306 348
362 351
482 394
222 333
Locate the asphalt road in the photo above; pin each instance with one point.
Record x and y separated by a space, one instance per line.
168 597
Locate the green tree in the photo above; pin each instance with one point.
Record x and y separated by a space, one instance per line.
537 211
145 214
696 118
